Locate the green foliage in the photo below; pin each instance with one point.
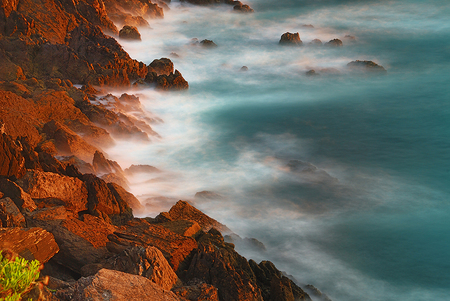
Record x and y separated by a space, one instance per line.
17 277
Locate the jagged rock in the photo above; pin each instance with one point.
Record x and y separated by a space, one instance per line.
115 285
161 66
316 293
366 66
174 247
10 215
42 185
290 39
115 178
134 169
22 199
174 81
129 33
274 285
184 211
42 216
143 8
130 199
247 243
103 203
334 43
316 42
29 243
12 163
182 227
197 290
104 166
216 263
208 43
243 8
147 262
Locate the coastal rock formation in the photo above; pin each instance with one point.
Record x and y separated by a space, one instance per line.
12 163
129 33
243 8
316 42
29 243
10 215
116 285
22 199
173 81
366 66
197 290
291 39
134 169
334 43
208 43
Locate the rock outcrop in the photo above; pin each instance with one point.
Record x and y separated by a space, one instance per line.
369 66
129 33
290 39
10 215
334 43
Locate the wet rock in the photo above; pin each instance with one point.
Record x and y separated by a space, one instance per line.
116 285
334 43
184 211
22 199
245 243
208 44
29 243
197 290
290 39
174 81
161 66
174 247
129 33
244 68
366 66
42 185
10 215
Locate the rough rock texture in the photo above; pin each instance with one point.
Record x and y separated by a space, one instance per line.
42 185
115 285
182 227
84 228
134 169
208 43
290 39
30 243
10 215
129 33
22 199
174 81
243 8
197 290
316 293
102 165
216 263
184 211
42 216
147 262
334 43
12 163
275 286
130 199
366 66
161 66
174 247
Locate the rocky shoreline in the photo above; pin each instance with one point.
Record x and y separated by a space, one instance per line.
65 204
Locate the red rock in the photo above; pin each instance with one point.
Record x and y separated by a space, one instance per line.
116 285
182 227
71 191
12 163
197 290
30 243
161 66
130 199
10 215
129 33
290 39
22 199
104 166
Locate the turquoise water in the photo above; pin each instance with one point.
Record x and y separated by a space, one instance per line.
371 221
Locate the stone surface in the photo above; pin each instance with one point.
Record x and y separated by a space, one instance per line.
29 243
12 163
41 185
129 33
366 66
243 8
161 66
134 169
290 39
115 285
334 43
22 199
120 193
208 43
102 165
10 215
197 290
182 227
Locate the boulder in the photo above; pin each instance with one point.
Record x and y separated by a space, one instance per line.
161 66
184 211
121 194
10 215
29 243
129 33
182 227
197 290
291 39
70 191
22 199
174 81
369 66
316 42
147 262
334 43
42 216
243 8
208 43
12 163
115 285
102 165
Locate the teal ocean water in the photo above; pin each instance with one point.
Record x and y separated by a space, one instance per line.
345 177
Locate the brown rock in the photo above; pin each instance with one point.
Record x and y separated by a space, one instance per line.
115 285
366 66
134 169
115 178
22 199
182 227
10 215
129 33
184 211
161 66
197 290
130 199
208 43
243 8
104 166
42 216
41 185
12 163
174 247
30 243
334 43
290 39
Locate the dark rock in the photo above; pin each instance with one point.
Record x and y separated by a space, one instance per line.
197 290
247 243
29 243
244 68
10 215
161 66
243 8
208 195
308 26
22 199
44 215
130 199
134 169
316 42
115 285
366 66
290 39
311 73
104 166
12 163
316 293
173 81
129 33
334 43
208 43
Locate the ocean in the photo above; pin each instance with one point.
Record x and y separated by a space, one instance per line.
344 176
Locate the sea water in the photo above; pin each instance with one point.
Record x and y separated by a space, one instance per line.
345 176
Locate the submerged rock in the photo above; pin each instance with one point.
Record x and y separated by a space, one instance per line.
366 66
291 39
208 43
334 43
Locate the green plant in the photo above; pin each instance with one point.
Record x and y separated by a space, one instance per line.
17 276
